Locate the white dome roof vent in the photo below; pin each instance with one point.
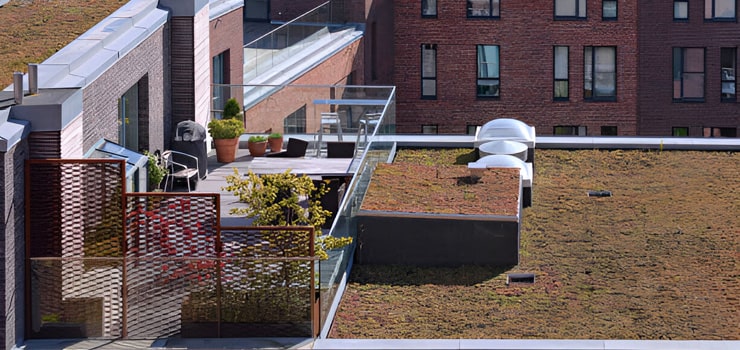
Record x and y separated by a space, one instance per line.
512 148
503 161
506 129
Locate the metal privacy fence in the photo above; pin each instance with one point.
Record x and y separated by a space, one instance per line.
103 263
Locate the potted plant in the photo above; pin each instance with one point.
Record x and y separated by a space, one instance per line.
257 145
156 171
232 109
275 140
225 133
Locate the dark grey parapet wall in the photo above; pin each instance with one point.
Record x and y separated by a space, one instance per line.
428 241
12 244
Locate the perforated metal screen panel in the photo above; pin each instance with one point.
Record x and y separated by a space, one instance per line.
74 217
104 263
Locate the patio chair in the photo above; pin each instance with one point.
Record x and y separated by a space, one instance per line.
179 170
296 148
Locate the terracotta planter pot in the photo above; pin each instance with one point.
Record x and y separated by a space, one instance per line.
276 144
226 149
257 149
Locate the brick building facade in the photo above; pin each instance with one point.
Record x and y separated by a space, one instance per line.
663 110
525 35
614 59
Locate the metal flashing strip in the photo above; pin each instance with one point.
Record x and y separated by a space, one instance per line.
383 213
525 344
636 142
95 51
12 131
219 8
351 102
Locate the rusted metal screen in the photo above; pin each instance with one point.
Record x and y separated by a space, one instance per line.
171 250
74 217
267 285
104 263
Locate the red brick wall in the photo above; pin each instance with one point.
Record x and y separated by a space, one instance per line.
226 34
526 33
659 34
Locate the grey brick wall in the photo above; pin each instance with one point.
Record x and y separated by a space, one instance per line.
144 65
12 236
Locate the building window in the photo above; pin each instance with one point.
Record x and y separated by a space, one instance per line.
728 59
488 71
429 8
681 10
720 132
483 8
688 74
428 71
600 73
719 10
430 129
609 10
128 118
680 131
560 90
295 123
609 130
220 77
471 129
569 130
570 9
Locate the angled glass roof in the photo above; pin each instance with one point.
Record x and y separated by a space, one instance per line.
106 149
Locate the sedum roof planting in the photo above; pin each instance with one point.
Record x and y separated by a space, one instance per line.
656 260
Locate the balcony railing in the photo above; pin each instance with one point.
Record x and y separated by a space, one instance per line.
263 53
295 110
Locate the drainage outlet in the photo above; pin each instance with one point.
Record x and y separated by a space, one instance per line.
520 278
599 193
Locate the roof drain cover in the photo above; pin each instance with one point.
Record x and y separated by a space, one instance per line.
599 193
519 278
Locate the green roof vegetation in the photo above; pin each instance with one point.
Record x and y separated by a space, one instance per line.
35 30
656 260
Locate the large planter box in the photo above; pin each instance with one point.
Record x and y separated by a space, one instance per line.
440 216
260 315
245 330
